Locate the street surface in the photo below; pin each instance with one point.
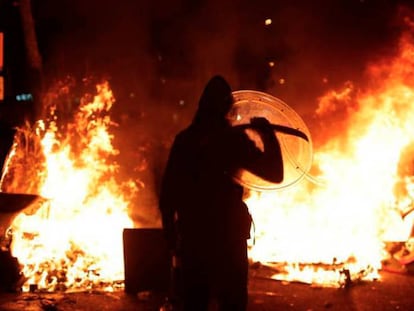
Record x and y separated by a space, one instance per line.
394 292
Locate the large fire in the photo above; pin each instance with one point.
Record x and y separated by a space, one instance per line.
327 229
332 227
74 240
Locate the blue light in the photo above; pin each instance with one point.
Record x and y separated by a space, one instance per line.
24 97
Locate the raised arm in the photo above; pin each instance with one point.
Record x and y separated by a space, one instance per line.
267 164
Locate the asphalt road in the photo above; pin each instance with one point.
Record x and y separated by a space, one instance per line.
393 292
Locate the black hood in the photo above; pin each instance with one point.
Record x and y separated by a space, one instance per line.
215 102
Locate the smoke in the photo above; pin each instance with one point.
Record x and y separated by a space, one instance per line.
164 52
159 54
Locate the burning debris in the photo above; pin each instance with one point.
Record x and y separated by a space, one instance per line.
337 227
12 204
73 241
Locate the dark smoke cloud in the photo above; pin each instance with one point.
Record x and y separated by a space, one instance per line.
166 50
159 55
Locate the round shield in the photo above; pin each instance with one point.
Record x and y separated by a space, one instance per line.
290 130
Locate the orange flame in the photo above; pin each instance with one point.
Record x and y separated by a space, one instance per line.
323 231
74 240
343 220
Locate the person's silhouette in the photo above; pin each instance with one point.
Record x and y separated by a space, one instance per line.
204 218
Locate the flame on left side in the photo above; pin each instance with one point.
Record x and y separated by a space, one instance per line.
74 239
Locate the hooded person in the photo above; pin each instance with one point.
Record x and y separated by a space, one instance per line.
204 217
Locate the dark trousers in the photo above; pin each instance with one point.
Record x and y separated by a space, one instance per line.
215 275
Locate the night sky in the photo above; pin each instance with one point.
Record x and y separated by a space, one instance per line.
164 51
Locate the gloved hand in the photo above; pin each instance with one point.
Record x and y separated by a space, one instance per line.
260 124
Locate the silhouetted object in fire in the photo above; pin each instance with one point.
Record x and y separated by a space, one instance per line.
205 220
7 137
11 204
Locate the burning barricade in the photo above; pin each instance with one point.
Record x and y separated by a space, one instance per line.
350 216
74 239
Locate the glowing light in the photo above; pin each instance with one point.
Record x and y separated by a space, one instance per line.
335 232
322 233
74 240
